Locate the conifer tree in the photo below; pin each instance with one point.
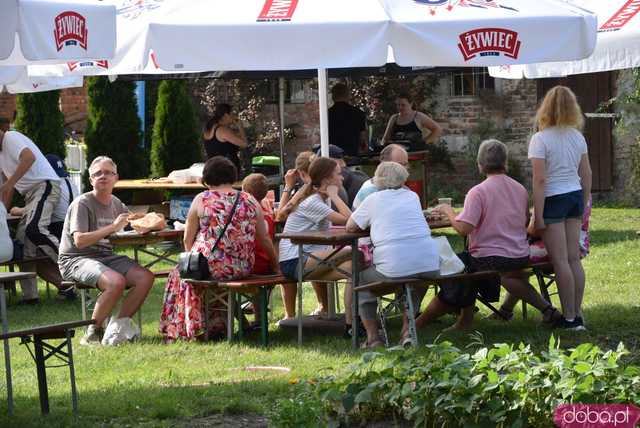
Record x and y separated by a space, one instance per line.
113 126
39 118
175 141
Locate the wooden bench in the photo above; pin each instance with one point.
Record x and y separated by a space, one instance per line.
87 305
42 351
12 264
237 290
543 271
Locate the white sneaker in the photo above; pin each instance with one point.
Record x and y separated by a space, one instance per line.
120 330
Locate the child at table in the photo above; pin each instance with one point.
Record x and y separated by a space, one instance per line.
257 186
308 211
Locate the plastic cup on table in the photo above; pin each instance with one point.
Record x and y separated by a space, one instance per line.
445 201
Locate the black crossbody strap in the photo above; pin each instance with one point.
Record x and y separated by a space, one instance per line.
233 210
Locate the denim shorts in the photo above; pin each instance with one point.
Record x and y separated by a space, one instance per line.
289 268
557 208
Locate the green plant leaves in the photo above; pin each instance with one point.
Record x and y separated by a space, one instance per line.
497 386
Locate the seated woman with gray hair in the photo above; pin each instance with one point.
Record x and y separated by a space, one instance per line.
402 244
494 220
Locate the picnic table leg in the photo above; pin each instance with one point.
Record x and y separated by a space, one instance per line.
355 281
264 320
239 314
300 277
72 375
231 305
7 355
331 302
205 294
42 375
411 314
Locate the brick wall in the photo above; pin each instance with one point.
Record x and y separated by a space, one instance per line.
511 107
73 103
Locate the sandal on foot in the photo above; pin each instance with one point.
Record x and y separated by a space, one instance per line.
371 345
502 315
550 315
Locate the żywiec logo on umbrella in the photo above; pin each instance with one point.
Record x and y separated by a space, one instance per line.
277 10
70 30
622 16
78 65
489 41
449 5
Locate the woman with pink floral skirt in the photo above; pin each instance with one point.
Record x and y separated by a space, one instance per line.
182 314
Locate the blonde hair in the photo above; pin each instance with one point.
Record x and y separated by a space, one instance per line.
303 161
319 169
559 108
390 175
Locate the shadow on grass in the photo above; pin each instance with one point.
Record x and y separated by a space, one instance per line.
605 236
154 406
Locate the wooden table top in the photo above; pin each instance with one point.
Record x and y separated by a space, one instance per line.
15 276
332 236
135 238
146 183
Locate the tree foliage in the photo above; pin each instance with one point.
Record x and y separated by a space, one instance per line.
39 118
113 126
175 141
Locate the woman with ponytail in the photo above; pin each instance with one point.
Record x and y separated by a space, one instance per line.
308 211
223 135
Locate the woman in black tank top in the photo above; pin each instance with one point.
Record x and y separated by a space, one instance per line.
219 139
406 126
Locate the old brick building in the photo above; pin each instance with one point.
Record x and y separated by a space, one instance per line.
464 99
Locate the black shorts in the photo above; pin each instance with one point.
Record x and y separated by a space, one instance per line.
461 294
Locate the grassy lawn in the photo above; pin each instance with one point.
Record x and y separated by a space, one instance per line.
152 384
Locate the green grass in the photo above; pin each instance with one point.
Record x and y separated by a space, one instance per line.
152 384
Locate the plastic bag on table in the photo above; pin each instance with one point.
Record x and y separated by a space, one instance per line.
149 223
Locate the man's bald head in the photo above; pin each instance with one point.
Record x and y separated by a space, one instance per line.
394 153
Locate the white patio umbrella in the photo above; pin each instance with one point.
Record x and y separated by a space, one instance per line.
55 31
476 33
25 84
617 46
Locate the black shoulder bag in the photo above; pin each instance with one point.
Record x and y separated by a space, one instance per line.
193 265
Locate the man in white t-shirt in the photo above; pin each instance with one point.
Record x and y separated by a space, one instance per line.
26 170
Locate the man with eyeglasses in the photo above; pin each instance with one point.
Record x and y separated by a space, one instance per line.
26 170
87 257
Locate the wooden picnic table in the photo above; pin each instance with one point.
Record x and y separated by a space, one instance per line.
5 278
140 242
150 184
338 238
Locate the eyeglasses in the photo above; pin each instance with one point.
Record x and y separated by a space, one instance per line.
100 173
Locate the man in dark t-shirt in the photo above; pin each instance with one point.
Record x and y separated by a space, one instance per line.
347 124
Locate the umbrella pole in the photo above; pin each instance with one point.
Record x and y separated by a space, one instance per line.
324 117
281 111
